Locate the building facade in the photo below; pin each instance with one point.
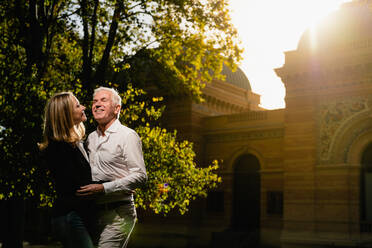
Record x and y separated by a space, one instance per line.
294 177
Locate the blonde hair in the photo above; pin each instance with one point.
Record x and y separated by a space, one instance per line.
58 121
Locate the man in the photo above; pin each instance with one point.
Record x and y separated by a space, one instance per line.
116 160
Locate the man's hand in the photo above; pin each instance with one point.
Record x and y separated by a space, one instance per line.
90 189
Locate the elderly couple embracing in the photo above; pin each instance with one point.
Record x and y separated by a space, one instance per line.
94 182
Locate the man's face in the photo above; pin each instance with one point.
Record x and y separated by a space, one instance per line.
104 110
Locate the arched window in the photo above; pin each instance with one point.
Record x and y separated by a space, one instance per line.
366 190
246 196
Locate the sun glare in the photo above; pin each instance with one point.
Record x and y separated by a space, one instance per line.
267 29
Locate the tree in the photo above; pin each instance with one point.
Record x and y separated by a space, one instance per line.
53 45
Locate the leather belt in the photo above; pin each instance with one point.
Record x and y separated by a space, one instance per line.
99 182
111 205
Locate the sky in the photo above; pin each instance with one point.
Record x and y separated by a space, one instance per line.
268 28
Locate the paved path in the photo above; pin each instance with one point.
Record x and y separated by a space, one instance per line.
27 245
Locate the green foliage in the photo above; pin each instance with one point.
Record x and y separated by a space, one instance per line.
174 179
58 45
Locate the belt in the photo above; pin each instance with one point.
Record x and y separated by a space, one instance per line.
111 205
99 182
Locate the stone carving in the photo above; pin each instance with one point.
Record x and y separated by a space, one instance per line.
333 116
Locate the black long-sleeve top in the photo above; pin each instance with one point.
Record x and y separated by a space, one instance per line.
70 170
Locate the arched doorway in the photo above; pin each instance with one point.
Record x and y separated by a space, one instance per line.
246 194
366 190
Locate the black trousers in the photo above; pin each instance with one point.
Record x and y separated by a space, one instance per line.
12 215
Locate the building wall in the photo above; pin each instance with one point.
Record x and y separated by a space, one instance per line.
261 135
327 127
223 127
309 153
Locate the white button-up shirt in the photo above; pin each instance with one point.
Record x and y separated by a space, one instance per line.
117 158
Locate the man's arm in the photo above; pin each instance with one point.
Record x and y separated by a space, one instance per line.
133 160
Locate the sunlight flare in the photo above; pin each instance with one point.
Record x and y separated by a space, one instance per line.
267 29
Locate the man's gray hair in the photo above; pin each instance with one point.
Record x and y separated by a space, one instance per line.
116 99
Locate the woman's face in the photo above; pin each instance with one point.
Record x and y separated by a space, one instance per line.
78 111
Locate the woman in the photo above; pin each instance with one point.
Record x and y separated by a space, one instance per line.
69 166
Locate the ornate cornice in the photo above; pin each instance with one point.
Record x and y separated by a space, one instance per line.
337 166
249 116
218 106
330 74
242 136
305 88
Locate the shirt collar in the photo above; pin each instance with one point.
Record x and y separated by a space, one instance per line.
112 128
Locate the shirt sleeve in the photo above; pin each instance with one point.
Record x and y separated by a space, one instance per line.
133 160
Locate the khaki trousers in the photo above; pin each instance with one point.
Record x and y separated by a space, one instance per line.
116 225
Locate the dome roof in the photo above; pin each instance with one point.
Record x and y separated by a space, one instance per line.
237 78
352 22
